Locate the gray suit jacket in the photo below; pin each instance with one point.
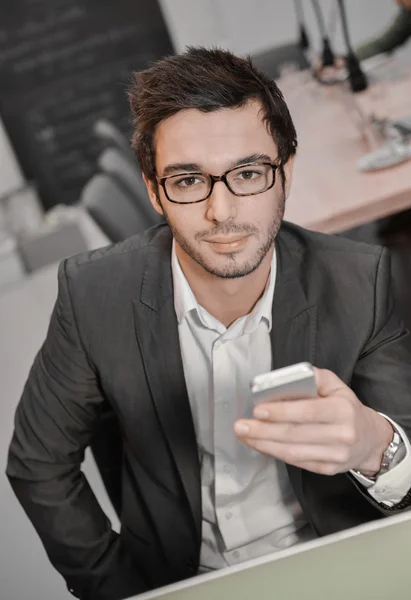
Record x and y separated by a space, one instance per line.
113 347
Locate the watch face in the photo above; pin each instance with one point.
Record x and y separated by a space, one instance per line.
387 457
389 454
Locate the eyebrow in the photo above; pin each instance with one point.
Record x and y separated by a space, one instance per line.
175 168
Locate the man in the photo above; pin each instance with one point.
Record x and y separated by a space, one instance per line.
169 327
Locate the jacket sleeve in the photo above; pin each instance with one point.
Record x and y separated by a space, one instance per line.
382 376
54 423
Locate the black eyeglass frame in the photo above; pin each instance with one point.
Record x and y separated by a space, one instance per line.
215 178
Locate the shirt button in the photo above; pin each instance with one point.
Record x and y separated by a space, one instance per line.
236 554
227 469
380 490
228 515
225 405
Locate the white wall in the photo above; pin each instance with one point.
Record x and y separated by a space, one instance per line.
246 26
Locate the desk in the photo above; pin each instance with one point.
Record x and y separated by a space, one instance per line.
328 193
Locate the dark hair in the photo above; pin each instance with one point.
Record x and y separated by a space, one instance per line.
207 80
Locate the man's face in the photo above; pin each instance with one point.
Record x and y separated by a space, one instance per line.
405 4
226 235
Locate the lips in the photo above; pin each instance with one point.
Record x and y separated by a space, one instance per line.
228 245
231 240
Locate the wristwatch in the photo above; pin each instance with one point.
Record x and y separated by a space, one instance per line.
388 456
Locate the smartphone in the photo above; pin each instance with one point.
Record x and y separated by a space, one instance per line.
288 383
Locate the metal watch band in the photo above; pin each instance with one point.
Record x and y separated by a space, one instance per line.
389 454
387 457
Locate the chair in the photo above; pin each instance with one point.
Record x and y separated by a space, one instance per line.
112 208
108 133
128 176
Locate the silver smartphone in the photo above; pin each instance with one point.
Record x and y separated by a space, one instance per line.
288 383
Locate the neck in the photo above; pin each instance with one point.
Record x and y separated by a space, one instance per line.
226 299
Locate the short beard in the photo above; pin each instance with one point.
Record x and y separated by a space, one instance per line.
232 270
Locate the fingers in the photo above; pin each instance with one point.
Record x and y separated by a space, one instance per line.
289 433
322 458
328 383
311 410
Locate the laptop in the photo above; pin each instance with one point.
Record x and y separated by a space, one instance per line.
371 561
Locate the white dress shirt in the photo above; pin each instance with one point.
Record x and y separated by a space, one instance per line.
249 507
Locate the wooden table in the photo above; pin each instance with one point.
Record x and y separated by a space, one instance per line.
329 193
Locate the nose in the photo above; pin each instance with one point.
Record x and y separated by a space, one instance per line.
222 204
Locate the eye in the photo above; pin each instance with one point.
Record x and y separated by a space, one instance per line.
189 181
248 175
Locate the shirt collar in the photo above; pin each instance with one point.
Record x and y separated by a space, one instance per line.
185 301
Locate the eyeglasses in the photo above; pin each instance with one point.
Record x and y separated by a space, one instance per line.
245 180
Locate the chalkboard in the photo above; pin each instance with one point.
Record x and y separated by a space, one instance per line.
63 65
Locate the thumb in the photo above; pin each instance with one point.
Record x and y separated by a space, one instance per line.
327 382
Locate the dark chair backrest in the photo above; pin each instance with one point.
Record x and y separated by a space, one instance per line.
110 136
112 208
128 176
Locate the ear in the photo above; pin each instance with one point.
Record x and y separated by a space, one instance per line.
288 173
152 190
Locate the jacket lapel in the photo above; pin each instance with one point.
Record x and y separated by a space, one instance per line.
157 335
293 333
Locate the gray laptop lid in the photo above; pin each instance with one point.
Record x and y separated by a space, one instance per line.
372 561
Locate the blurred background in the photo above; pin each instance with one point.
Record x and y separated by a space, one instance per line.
69 181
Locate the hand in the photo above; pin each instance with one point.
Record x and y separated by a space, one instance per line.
330 434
